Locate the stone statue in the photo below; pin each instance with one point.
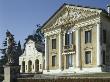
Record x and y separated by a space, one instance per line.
10 50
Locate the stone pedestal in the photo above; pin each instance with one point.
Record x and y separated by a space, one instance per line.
11 73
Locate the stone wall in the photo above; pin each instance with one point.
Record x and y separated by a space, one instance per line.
66 80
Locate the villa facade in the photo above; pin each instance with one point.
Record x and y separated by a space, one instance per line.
31 61
77 40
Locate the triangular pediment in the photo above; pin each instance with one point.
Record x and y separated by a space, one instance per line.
70 13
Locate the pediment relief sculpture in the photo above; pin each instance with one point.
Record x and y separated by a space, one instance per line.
69 15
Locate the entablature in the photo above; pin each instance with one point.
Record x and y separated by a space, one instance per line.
52 32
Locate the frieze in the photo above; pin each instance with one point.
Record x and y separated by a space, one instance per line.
89 27
53 32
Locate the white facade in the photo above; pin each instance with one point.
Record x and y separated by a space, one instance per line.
86 24
31 61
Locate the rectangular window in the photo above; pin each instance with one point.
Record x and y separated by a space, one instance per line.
104 36
88 36
68 38
53 60
53 43
69 60
87 57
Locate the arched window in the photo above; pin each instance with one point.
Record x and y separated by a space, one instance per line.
23 66
29 66
36 65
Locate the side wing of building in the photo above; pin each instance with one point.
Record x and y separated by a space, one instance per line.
31 61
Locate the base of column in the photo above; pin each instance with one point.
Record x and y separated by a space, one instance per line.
88 70
52 71
78 70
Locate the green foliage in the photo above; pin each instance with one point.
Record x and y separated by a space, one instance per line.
19 50
39 39
38 36
4 58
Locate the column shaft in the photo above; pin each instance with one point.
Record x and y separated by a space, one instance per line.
60 51
46 53
98 46
78 48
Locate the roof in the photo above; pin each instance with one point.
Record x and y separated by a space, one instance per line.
30 37
103 10
108 5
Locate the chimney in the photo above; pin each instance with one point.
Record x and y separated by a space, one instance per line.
108 10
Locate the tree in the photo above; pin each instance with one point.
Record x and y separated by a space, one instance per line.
39 39
38 35
17 50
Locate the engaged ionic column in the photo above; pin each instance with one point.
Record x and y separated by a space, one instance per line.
60 51
46 53
78 48
98 46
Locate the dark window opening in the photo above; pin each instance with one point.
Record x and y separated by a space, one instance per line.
87 57
53 60
69 38
103 57
53 43
69 60
88 36
104 36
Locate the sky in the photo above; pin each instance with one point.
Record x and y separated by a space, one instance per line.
20 17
